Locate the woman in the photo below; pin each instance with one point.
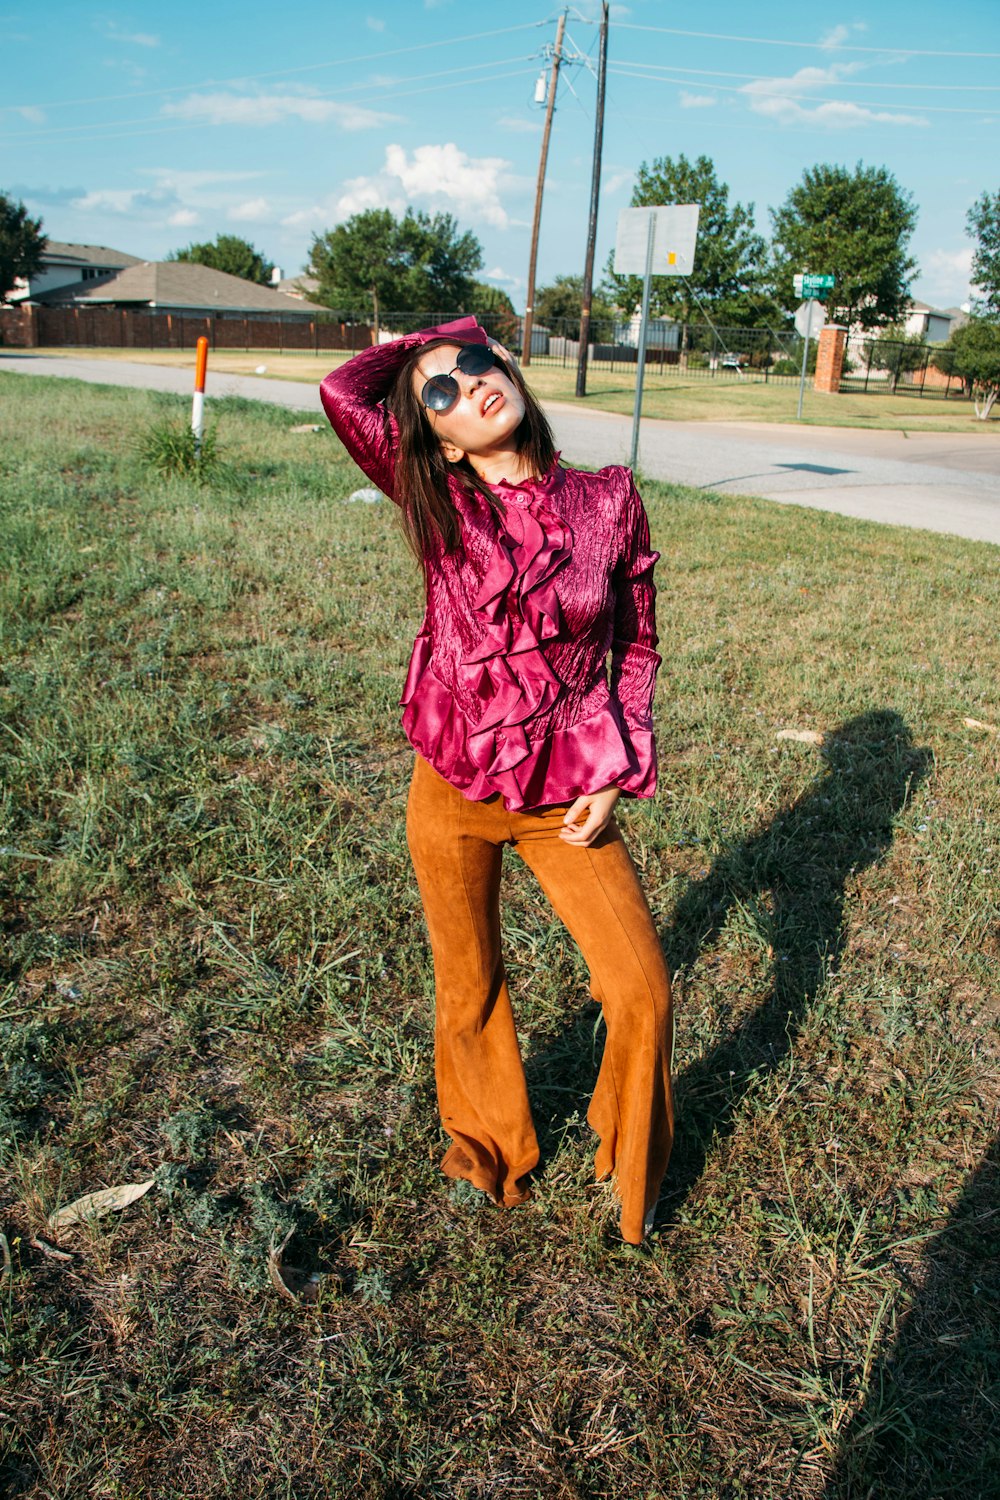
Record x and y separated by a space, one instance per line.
532 573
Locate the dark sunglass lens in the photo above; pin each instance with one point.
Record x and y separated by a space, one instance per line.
440 392
475 359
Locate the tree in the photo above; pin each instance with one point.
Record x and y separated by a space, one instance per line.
973 353
229 253
496 312
729 258
897 351
376 263
563 298
856 227
22 244
983 223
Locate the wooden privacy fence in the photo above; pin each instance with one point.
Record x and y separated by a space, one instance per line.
117 328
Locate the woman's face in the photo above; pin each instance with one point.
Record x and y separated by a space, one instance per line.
487 413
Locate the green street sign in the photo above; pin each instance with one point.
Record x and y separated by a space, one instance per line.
811 285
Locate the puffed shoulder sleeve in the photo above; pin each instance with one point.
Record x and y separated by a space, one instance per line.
634 658
353 397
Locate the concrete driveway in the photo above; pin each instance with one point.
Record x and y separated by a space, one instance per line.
948 482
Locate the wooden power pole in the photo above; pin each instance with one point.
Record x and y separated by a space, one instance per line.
595 193
529 303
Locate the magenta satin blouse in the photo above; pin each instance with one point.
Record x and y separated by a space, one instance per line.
508 689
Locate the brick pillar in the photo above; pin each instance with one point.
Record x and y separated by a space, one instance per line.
830 359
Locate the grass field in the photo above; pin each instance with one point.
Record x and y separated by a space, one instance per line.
675 396
215 976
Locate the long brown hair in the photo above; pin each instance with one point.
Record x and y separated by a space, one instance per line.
422 472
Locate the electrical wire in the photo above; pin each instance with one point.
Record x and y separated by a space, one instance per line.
768 41
83 131
339 62
842 83
754 93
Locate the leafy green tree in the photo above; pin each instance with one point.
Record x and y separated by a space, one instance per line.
375 263
563 298
983 223
855 226
973 353
896 351
229 253
496 310
728 276
562 301
22 243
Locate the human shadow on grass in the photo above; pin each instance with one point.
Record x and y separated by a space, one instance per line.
928 1425
788 882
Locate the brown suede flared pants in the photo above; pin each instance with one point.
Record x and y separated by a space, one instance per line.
457 847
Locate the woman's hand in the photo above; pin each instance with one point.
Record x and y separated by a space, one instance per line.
596 810
504 353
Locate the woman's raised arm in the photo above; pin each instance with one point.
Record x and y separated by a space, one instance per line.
354 393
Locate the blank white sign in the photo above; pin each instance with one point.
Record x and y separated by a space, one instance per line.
675 230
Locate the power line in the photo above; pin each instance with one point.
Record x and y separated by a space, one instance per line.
770 41
348 102
114 132
338 62
841 83
936 109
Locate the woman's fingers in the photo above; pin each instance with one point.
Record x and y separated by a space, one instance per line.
595 810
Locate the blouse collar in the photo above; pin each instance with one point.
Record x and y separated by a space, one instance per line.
544 484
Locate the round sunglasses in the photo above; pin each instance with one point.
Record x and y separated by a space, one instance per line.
442 391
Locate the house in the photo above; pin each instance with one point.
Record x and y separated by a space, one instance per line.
297 286
170 286
930 323
65 265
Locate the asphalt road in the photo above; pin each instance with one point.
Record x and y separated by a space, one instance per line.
948 482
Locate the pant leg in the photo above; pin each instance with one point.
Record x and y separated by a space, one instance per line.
457 848
596 893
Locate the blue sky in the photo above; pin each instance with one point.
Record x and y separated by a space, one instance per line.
146 127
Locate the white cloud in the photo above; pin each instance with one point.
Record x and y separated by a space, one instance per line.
838 35
947 275
254 211
31 112
123 201
185 179
270 109
697 101
183 218
787 101
313 217
133 38
618 179
367 192
520 125
374 24
435 177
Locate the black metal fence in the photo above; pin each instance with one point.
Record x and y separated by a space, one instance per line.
879 366
695 350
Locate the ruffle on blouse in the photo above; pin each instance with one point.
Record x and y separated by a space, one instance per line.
508 674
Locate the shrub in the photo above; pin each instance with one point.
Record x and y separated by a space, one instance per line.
169 448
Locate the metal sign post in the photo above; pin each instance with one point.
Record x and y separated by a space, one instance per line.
805 358
809 287
653 241
643 326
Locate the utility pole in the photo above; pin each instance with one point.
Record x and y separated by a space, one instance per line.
595 193
529 304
